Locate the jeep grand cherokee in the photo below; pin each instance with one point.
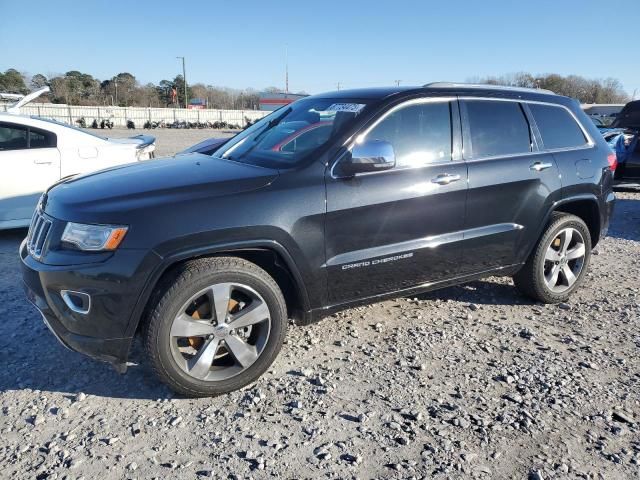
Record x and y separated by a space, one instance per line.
336 200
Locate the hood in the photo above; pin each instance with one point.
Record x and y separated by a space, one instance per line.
629 117
140 141
107 195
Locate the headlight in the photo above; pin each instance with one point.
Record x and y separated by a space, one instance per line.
94 237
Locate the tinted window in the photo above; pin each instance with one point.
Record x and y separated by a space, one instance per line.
420 134
293 133
498 128
313 137
13 138
18 137
41 139
557 127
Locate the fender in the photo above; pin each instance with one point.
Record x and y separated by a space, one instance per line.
555 206
228 247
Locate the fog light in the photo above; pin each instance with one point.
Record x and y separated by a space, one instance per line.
78 302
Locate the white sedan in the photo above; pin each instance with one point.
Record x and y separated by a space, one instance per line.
35 153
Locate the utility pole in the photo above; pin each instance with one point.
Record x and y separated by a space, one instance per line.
398 82
286 69
184 79
338 85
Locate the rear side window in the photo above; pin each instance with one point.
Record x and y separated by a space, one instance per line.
18 137
41 139
557 126
497 128
419 133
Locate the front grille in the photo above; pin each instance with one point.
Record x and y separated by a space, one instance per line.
38 232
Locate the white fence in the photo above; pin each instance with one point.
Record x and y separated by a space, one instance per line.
139 115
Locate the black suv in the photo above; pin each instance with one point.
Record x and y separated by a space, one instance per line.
339 199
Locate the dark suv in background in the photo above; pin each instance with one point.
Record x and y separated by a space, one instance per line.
337 200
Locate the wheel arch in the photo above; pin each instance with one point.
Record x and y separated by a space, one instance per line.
582 206
585 207
267 254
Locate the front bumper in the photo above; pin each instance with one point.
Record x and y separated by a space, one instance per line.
106 331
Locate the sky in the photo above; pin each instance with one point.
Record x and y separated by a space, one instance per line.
352 43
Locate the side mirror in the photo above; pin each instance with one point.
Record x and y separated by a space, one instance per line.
370 156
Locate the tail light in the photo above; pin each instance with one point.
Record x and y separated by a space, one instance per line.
613 161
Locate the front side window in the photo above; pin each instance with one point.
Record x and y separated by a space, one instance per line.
497 128
13 137
419 133
287 136
557 127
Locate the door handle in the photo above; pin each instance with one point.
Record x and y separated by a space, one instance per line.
445 179
539 166
42 162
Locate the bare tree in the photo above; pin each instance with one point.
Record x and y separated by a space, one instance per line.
609 90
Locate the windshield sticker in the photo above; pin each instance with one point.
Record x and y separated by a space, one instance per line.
345 107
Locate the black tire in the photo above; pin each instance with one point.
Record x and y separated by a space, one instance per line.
530 279
189 279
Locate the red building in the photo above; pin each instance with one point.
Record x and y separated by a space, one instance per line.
197 104
273 101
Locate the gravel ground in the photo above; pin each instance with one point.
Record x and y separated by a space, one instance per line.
170 140
468 382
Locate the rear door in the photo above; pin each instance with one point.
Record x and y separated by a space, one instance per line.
577 160
512 184
390 230
30 162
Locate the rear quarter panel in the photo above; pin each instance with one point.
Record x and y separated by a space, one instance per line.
81 155
585 173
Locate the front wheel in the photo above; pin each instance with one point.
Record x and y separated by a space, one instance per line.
559 262
217 327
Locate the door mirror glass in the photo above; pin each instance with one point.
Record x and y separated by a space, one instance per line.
369 156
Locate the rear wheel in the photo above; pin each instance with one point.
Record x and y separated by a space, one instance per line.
558 264
217 327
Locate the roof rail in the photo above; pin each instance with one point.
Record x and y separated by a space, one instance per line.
486 87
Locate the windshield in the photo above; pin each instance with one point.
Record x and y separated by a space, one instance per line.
286 136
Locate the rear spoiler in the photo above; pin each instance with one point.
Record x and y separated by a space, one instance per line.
146 140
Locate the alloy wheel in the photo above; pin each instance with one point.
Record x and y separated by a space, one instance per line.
564 260
220 331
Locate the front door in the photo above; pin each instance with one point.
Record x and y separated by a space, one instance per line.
394 229
30 162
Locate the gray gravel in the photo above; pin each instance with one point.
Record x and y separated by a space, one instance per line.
468 382
169 140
